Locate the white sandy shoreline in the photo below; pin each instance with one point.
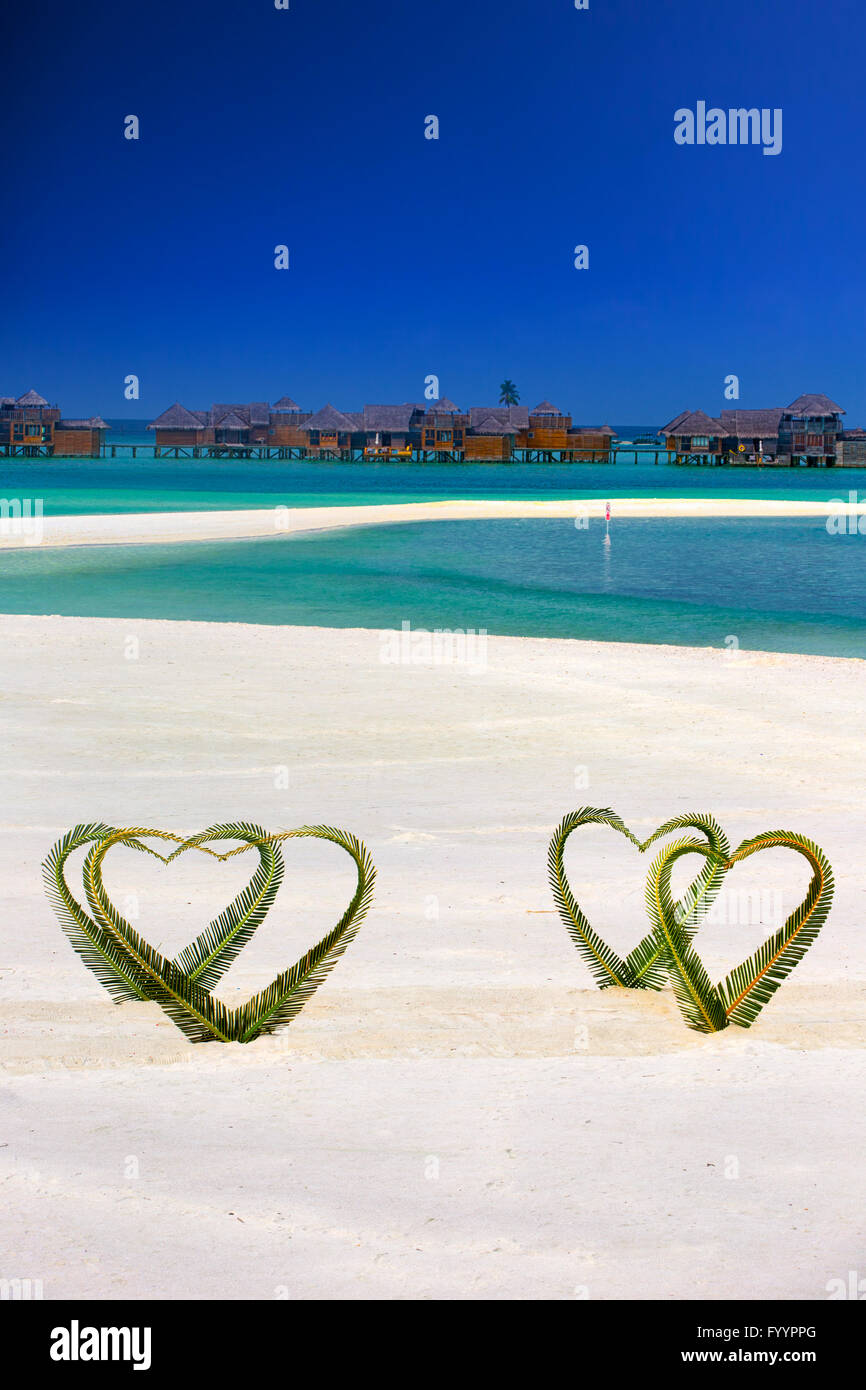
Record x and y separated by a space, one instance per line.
158 528
457 1112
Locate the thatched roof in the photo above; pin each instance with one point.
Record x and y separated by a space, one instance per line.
752 424
95 422
31 398
493 426
389 417
545 409
696 422
259 412
671 426
443 406
285 403
814 405
177 417
356 418
330 420
220 412
517 415
594 429
232 420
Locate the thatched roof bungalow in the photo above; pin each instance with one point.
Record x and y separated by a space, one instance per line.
392 426
80 438
230 423
752 432
28 421
330 431
808 429
443 427
590 441
547 428
694 435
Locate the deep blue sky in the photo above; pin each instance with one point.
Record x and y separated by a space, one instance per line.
412 256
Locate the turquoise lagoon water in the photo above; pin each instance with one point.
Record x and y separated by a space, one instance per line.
779 585
70 487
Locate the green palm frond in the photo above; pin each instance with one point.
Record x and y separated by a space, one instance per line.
194 1011
130 967
647 961
699 1001
746 990
207 958
289 992
644 967
113 965
608 970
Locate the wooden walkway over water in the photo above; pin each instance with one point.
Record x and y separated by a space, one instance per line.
626 452
619 453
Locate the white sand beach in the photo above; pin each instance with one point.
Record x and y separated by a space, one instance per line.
458 1112
152 528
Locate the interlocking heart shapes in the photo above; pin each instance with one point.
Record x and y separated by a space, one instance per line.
667 951
130 968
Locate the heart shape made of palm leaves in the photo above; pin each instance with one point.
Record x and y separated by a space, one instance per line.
741 996
645 967
132 969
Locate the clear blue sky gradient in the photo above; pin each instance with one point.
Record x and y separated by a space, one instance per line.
411 256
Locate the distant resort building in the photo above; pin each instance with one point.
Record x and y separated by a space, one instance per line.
426 430
29 426
808 431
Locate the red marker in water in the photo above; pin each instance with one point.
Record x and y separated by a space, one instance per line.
607 512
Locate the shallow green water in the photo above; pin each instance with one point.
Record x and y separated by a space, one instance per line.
784 585
84 486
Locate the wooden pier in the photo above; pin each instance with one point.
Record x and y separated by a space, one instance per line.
619 453
625 453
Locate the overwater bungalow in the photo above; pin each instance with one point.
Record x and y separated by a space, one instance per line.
179 428
30 426
493 431
754 433
590 442
80 438
229 426
695 437
443 428
27 423
851 449
286 424
807 431
491 439
547 429
412 429
391 429
330 432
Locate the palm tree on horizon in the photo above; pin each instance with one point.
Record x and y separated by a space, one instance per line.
508 393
